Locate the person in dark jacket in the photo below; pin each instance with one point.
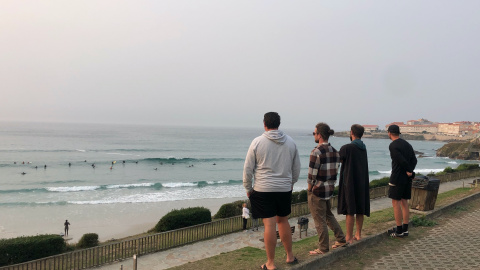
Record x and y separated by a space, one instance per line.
354 195
400 190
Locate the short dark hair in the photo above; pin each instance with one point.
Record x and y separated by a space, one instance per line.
324 131
357 130
271 120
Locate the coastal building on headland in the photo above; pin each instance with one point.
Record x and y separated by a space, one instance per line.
423 126
419 122
416 126
370 128
458 128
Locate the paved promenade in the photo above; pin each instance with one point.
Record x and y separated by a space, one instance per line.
209 248
453 245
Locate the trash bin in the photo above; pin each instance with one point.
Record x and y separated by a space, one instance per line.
302 225
424 193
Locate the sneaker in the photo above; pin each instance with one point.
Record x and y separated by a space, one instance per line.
395 235
405 234
390 231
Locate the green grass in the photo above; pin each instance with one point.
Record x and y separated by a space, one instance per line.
422 221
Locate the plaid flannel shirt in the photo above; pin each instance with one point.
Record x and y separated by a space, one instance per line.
323 169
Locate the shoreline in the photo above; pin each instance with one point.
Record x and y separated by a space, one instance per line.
108 221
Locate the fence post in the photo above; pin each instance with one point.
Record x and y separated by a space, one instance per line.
135 262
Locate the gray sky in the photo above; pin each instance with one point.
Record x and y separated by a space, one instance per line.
226 63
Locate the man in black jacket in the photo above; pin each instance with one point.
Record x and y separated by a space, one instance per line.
403 164
354 193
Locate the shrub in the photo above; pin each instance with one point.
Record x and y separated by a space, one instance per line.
380 182
88 240
184 217
466 167
27 248
299 196
449 170
230 210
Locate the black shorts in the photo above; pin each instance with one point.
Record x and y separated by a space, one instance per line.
270 204
401 191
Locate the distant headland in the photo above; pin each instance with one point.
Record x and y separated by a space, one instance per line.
423 129
463 137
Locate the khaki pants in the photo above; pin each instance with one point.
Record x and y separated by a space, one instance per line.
321 211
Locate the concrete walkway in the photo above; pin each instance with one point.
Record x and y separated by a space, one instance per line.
209 248
453 245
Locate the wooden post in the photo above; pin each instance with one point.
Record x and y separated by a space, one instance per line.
135 262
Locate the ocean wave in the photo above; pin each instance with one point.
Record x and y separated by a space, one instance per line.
176 195
190 160
26 190
73 189
62 182
120 154
34 203
424 171
155 186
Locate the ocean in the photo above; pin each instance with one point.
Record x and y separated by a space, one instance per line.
119 178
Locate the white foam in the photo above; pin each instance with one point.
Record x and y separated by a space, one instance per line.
130 185
428 170
80 150
72 189
176 185
172 195
452 162
385 172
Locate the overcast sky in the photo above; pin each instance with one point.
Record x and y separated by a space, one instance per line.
226 63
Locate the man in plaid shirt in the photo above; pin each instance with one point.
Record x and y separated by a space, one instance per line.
322 175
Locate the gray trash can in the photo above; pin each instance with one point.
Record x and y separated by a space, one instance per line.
302 225
424 193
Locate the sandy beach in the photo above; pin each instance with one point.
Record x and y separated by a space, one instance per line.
108 221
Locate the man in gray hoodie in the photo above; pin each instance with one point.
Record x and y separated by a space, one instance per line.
273 161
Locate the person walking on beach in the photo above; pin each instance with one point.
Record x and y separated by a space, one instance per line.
245 216
274 164
354 194
322 175
66 224
403 164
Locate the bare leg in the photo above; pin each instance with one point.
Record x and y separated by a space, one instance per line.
405 211
270 239
397 212
285 236
349 224
359 225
